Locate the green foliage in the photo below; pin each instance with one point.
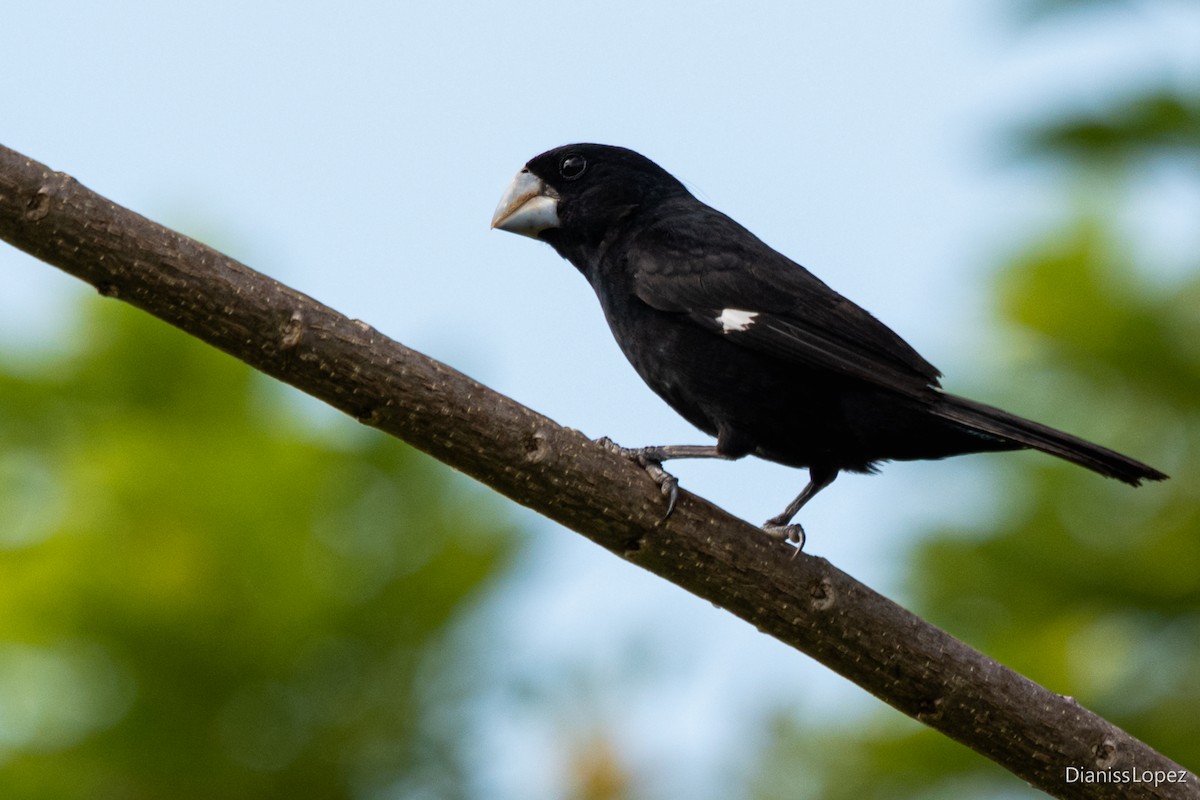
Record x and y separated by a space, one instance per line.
1093 591
1097 319
1088 587
201 597
1153 123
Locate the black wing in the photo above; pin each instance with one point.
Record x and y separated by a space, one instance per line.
699 263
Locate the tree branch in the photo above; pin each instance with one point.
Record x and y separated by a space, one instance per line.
805 602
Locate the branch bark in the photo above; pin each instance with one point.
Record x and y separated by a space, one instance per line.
805 602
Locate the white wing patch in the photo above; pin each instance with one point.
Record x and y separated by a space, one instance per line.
735 319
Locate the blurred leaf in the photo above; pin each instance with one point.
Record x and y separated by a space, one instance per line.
199 598
1077 289
1150 124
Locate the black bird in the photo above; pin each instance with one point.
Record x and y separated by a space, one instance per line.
746 344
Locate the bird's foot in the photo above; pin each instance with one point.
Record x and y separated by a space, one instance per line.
649 459
793 533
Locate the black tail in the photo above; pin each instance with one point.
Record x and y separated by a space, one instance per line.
993 421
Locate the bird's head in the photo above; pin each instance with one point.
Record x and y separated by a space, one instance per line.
574 196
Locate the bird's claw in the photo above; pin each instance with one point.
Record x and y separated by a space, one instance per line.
645 457
667 482
786 533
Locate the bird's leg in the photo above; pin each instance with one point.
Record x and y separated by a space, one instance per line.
778 527
651 458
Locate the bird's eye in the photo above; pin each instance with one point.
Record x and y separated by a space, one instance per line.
572 166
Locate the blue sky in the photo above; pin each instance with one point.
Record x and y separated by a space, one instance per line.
356 152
